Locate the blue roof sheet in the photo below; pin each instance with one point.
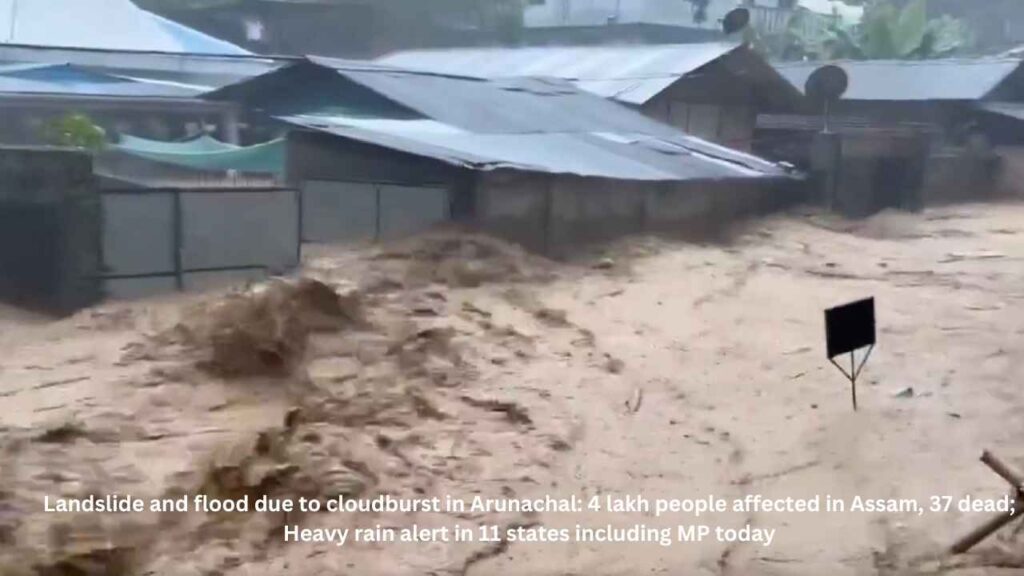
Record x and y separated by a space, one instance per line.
68 80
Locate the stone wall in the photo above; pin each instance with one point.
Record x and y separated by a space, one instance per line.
50 250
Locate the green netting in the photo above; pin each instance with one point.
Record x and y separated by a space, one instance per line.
206 153
204 143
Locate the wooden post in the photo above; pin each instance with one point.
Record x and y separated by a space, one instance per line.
1005 471
1016 479
853 380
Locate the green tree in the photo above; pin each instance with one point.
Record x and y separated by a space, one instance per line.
75 131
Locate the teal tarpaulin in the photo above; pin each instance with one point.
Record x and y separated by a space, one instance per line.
206 153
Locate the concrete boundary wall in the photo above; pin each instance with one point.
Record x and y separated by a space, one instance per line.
554 214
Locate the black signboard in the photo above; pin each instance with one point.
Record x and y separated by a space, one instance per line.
850 327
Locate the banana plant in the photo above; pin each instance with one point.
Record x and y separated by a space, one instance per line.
885 32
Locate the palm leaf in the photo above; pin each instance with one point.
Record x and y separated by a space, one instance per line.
910 28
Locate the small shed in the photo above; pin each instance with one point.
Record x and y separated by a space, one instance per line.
380 151
712 90
943 93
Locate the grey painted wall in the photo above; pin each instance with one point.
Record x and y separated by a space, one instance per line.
514 205
232 229
336 211
138 233
555 214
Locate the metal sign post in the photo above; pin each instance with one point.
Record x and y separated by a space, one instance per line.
854 372
849 328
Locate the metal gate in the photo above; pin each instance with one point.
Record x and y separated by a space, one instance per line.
178 239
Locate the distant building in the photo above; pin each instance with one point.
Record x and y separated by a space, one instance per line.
126 69
572 13
658 21
350 28
290 28
32 96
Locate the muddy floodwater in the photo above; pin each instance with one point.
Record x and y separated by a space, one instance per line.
456 366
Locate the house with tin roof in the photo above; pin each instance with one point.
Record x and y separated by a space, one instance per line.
710 90
913 132
32 95
380 151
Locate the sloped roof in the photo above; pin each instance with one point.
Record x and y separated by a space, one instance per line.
537 125
202 71
104 24
631 74
1013 110
70 80
912 80
1015 52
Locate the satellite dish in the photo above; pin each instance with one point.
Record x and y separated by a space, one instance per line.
736 20
826 84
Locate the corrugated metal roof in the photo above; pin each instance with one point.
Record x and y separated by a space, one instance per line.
106 24
68 80
902 80
525 124
631 74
